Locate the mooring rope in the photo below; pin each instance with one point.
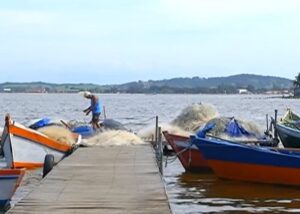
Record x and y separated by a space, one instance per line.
188 148
141 122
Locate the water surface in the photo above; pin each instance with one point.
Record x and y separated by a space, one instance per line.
188 193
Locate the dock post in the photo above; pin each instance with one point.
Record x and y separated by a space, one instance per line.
275 128
104 112
160 151
267 123
156 131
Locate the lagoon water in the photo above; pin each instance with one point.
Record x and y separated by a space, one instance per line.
188 193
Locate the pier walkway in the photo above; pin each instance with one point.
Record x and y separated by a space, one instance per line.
119 179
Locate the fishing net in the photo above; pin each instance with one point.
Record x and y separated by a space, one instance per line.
194 116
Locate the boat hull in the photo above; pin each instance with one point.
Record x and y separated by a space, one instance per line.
289 137
10 179
251 163
27 148
190 157
30 155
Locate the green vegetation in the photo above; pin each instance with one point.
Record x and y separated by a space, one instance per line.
228 85
296 82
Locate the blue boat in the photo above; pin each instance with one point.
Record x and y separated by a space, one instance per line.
84 129
250 162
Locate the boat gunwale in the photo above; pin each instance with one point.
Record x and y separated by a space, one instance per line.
21 132
265 150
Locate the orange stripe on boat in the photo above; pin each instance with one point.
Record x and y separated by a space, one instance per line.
12 171
17 172
38 138
28 165
256 173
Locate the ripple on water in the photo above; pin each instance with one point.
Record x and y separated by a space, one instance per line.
205 193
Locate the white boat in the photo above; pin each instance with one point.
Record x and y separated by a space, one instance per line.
10 179
29 147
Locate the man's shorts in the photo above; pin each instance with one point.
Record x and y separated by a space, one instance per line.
96 117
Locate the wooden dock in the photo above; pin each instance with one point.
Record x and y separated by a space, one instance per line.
119 179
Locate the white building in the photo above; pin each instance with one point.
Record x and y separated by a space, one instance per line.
7 89
243 91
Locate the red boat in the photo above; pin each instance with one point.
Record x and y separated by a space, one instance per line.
243 162
190 157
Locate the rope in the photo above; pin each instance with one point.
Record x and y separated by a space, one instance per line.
181 152
143 121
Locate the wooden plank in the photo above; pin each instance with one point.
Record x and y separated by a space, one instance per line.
119 179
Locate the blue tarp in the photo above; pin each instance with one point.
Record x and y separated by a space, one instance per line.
202 132
234 129
41 123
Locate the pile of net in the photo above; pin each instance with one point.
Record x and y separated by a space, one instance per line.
114 138
194 116
234 129
59 134
148 133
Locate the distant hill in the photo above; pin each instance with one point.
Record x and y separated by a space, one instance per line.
241 81
49 87
230 84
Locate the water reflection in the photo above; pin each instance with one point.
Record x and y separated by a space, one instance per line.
205 193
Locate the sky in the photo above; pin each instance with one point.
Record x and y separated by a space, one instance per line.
118 41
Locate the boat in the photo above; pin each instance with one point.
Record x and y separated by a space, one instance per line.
10 180
29 147
288 129
235 130
85 130
82 128
191 159
251 163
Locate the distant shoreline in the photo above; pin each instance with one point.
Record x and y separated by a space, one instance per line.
285 96
236 84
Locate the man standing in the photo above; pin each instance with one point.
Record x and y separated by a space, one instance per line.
95 108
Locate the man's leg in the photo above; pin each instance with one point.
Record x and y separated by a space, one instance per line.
98 125
95 120
94 126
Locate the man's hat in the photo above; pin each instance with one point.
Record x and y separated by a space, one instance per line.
87 94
